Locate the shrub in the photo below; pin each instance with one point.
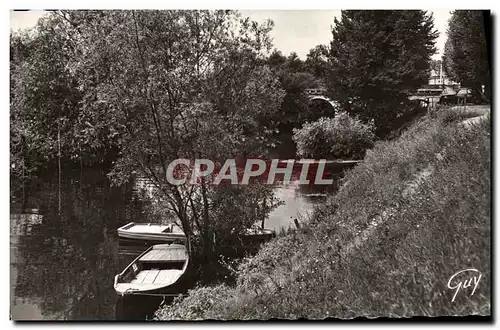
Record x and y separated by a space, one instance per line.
341 137
195 305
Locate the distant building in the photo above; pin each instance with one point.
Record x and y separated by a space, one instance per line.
439 78
439 85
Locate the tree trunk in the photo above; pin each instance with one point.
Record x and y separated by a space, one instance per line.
207 238
59 163
81 165
23 174
263 213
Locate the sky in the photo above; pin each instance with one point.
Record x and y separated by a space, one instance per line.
301 30
294 30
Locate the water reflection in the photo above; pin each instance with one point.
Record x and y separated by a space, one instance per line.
300 200
63 264
22 224
133 308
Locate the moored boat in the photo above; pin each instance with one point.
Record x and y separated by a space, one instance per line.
157 270
152 232
257 234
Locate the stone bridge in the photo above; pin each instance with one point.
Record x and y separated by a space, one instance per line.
319 94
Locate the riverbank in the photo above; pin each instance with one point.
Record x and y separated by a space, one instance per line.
415 212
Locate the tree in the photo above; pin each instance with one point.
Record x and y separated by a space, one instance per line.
436 65
43 103
276 60
465 56
43 94
316 62
296 104
179 84
45 100
376 58
294 63
295 109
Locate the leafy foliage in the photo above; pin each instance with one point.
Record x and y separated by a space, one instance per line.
295 77
45 105
182 84
465 56
342 137
199 301
317 62
156 86
376 57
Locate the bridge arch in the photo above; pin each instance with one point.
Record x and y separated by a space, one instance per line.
335 105
319 94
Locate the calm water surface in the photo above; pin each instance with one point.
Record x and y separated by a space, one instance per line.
63 264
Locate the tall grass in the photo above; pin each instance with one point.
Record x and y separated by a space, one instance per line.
416 211
454 114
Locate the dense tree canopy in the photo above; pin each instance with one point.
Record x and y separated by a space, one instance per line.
143 88
158 86
296 76
466 55
317 61
376 57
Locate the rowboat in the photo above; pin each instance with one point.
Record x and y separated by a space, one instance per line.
159 269
152 232
257 234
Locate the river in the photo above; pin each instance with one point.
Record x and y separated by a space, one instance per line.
63 259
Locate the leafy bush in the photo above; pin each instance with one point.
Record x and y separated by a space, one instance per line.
194 306
341 137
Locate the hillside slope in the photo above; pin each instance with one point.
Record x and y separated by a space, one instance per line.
415 212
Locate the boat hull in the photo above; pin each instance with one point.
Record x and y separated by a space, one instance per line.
160 237
172 289
258 235
157 292
152 233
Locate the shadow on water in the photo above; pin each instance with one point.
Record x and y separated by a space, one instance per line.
138 308
63 264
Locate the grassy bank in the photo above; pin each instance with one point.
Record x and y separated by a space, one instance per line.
415 212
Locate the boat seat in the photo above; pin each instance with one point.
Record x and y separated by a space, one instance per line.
176 255
156 276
